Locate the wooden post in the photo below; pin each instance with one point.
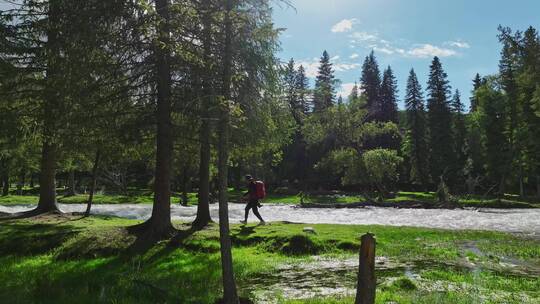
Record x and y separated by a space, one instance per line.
365 292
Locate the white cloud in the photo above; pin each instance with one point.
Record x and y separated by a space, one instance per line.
459 44
429 50
340 67
345 90
354 56
311 67
344 25
363 36
371 40
385 50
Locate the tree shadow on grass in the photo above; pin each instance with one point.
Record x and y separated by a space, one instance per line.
246 230
245 236
176 277
28 238
145 239
28 214
179 240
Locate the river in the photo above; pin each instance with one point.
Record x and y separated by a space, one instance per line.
525 221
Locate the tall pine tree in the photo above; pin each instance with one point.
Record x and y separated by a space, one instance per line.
529 80
388 110
477 82
417 133
296 94
459 134
370 83
324 85
354 93
493 107
439 121
302 91
512 128
291 93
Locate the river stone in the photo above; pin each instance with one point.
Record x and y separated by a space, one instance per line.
309 230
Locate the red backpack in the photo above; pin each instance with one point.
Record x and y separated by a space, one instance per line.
260 190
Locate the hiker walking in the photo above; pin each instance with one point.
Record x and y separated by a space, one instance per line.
256 192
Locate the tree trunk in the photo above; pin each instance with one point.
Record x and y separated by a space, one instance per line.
21 182
160 221
502 187
229 284
93 183
521 188
47 182
78 182
538 186
230 295
5 182
203 207
71 183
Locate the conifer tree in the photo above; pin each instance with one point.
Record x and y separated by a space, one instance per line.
205 9
477 82
492 103
290 78
159 223
295 166
370 83
354 93
474 167
417 136
439 121
512 128
388 111
459 134
302 91
324 85
529 103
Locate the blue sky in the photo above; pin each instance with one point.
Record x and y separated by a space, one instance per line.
404 34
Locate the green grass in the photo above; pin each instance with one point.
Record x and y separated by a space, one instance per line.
509 201
98 199
91 260
141 196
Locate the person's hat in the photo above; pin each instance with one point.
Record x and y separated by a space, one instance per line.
249 177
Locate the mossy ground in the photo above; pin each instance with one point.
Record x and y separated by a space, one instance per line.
66 259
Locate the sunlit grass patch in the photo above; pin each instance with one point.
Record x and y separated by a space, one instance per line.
88 260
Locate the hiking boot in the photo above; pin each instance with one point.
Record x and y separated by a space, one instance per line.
243 222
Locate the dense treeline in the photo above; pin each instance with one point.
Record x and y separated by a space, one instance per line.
363 145
139 93
122 95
